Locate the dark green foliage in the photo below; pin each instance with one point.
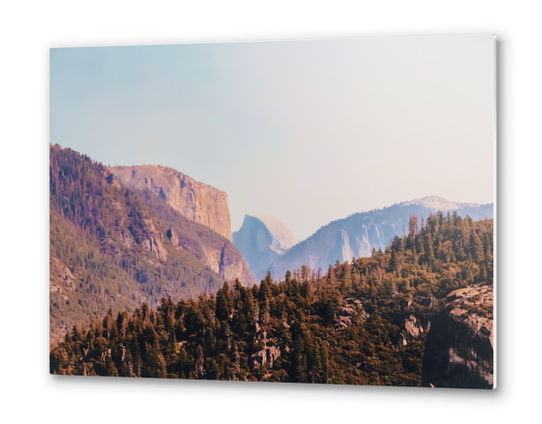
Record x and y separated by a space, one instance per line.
296 324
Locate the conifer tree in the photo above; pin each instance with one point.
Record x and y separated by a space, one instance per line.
224 302
476 247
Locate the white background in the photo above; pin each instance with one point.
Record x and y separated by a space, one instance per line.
29 29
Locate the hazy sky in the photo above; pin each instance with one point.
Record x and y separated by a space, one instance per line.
305 131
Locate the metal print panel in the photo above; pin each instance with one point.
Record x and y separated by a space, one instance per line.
299 211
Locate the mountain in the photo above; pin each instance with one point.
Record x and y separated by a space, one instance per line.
194 200
358 234
115 248
206 245
262 239
418 314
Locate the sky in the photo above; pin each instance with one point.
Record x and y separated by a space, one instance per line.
305 131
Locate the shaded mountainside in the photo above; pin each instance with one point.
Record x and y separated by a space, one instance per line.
358 234
110 249
194 200
368 322
262 239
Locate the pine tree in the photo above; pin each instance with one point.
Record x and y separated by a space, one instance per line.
476 248
413 226
288 277
396 262
224 302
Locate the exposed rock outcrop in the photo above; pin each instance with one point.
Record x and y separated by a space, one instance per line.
217 253
459 347
346 313
267 355
342 322
195 200
154 242
409 331
60 276
262 239
358 234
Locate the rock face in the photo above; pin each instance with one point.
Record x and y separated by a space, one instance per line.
268 355
358 234
220 255
262 239
60 277
194 200
409 330
459 347
198 205
154 241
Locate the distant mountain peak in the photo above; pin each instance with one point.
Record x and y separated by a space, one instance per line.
433 202
282 236
262 239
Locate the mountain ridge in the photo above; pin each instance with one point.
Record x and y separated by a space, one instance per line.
360 232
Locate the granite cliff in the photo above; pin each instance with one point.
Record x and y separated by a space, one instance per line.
194 200
185 232
459 347
262 239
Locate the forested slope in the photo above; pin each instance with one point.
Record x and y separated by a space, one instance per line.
110 249
364 322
